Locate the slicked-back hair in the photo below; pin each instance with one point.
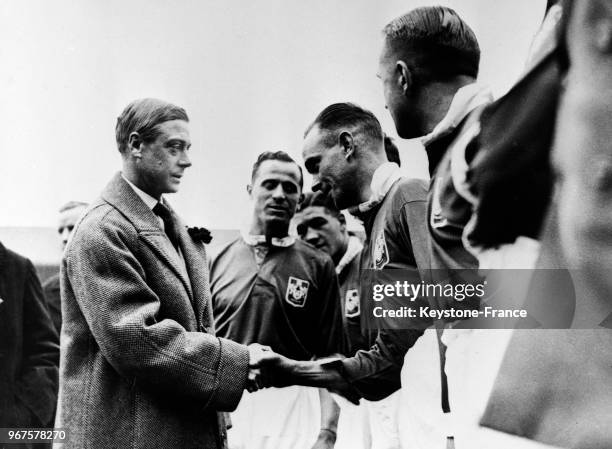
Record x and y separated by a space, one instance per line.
340 115
439 42
275 156
143 116
392 151
320 198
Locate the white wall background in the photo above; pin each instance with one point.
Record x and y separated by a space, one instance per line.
251 74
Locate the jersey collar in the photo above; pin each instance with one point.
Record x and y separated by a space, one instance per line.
353 248
254 240
465 100
383 179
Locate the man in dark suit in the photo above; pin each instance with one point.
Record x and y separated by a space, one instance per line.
140 365
29 349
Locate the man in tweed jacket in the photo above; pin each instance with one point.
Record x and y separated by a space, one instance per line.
140 365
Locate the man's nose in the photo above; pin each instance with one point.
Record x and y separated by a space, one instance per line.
278 192
184 161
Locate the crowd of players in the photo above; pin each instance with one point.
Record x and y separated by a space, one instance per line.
159 340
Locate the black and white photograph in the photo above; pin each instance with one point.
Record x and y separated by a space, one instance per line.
284 224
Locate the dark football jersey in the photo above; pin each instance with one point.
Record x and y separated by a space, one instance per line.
290 302
356 337
393 229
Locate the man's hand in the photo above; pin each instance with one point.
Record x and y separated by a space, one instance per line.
269 369
257 353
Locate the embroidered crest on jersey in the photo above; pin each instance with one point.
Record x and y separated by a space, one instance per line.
381 254
297 291
351 305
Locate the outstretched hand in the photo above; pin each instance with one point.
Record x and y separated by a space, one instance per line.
257 353
270 369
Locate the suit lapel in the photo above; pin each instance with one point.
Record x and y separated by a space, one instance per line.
161 245
119 194
195 261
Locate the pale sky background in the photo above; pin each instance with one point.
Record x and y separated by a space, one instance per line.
251 75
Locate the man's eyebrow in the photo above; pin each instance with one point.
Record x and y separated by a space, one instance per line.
177 139
269 180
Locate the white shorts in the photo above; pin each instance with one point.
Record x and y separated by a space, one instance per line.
370 425
422 423
276 418
353 425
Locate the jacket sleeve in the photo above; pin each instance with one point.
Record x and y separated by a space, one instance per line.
38 384
375 373
122 311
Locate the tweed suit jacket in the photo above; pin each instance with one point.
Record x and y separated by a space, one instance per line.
29 347
140 365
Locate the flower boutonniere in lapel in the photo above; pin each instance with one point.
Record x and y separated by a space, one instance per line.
200 234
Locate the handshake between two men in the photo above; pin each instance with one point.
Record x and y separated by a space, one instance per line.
270 369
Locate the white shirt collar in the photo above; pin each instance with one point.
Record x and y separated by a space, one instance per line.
382 180
352 249
465 100
546 39
144 196
253 240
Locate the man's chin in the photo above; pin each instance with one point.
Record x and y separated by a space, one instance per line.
324 248
173 186
408 132
277 227
341 202
277 217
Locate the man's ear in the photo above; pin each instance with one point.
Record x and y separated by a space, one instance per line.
345 139
342 220
404 76
134 145
249 189
300 199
